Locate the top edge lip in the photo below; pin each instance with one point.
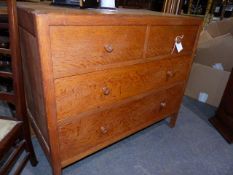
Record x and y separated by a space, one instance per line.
102 12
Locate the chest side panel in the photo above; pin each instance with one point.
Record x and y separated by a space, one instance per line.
33 86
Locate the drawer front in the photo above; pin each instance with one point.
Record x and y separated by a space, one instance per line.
89 133
162 39
93 90
78 49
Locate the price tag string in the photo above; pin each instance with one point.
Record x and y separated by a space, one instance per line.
177 41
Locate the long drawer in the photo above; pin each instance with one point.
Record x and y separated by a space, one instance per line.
93 90
162 43
76 49
86 134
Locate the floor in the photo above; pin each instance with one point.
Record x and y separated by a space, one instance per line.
193 147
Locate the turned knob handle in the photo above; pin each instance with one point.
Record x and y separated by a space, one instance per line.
170 73
108 48
106 91
163 104
103 130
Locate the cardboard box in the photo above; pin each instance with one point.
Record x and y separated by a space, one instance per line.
218 50
219 28
204 37
208 80
204 78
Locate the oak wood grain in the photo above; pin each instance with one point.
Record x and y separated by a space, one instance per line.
89 133
83 92
162 43
101 75
33 81
42 31
66 16
94 46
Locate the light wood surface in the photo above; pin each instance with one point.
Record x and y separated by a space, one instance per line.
96 76
46 8
162 43
33 84
79 93
87 133
91 47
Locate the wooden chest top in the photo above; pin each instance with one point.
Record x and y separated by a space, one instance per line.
102 16
46 8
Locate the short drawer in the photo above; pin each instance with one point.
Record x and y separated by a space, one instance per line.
93 90
78 49
162 39
87 134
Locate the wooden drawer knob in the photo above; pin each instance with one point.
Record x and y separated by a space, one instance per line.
106 91
103 130
163 104
170 73
108 48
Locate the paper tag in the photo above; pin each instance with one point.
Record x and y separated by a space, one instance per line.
203 97
108 3
218 66
179 47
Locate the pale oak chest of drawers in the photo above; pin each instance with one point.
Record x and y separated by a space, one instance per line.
93 77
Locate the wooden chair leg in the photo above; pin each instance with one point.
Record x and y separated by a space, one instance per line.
22 165
29 146
173 120
32 155
12 158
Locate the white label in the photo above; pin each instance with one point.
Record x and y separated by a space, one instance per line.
203 97
179 47
108 3
218 66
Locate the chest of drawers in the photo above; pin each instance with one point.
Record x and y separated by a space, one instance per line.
93 77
